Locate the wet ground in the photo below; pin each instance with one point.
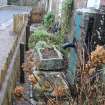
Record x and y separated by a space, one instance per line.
6 42
7 37
7 13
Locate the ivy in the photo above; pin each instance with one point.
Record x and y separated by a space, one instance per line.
49 19
67 14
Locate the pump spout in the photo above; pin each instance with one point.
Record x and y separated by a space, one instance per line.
68 45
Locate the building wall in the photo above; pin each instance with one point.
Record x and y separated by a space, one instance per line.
103 4
55 6
25 2
3 2
80 3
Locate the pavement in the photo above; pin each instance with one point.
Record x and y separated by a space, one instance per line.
7 40
7 37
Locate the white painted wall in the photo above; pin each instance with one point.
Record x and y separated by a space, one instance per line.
50 6
56 7
60 7
3 2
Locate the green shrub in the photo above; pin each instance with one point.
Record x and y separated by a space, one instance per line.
38 35
67 10
43 35
49 19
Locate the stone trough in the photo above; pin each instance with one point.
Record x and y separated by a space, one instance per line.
47 82
50 63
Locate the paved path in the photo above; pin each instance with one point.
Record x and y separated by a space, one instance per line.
6 15
6 43
7 37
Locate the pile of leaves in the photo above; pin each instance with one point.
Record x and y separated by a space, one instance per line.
91 84
19 91
30 62
96 59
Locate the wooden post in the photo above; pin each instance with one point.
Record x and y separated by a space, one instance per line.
27 36
29 20
22 78
30 17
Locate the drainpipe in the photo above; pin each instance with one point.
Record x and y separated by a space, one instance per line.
68 45
48 3
60 12
50 6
